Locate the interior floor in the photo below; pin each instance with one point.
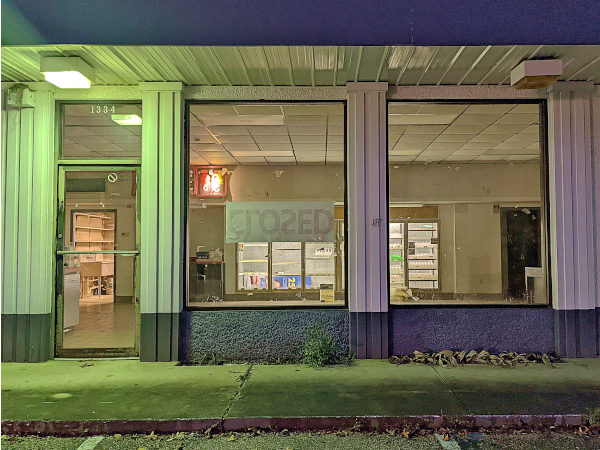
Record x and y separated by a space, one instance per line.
102 324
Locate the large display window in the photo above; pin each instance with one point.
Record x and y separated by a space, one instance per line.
467 216
266 205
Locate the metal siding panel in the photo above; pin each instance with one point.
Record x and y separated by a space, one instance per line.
3 199
24 225
9 337
562 263
148 336
165 202
375 335
22 338
577 200
383 206
149 204
595 121
589 188
356 196
178 230
555 200
371 168
581 155
43 170
10 209
566 212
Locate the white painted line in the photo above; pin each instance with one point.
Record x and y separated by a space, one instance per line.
90 443
447 445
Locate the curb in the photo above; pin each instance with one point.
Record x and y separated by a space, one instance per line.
108 427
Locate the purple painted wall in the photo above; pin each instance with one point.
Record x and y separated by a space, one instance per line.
492 329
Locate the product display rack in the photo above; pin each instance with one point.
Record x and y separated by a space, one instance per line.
423 255
414 251
319 264
253 266
95 231
397 255
289 266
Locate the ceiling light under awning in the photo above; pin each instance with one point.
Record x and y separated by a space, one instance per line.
126 119
69 72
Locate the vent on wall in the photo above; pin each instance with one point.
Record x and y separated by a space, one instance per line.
85 185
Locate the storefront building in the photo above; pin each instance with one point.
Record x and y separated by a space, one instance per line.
219 201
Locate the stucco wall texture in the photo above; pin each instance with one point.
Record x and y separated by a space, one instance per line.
255 335
492 329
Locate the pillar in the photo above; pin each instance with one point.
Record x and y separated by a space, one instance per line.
28 187
161 217
367 211
573 261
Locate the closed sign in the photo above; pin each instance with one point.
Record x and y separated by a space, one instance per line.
280 222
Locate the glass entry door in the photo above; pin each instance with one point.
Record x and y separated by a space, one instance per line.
97 301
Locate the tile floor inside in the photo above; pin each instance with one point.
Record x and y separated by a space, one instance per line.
102 324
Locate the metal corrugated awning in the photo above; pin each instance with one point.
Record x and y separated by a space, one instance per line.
303 66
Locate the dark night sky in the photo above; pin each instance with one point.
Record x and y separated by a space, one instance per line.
311 22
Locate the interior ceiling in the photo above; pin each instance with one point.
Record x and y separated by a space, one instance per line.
96 135
309 134
302 134
420 133
304 66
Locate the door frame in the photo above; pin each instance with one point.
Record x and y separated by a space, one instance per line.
109 166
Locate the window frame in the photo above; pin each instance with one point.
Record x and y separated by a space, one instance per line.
60 123
186 161
544 201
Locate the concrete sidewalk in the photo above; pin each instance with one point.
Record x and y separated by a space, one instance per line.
126 390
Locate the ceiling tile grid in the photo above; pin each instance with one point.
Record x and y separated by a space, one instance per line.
304 134
490 133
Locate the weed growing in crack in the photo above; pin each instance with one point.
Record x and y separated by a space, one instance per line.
320 350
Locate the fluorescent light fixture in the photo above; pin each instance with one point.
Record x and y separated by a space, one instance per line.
69 72
243 120
406 205
421 119
126 119
266 153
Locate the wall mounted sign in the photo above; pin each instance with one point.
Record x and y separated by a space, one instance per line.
210 181
280 222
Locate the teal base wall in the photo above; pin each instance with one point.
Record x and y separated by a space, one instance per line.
256 336
369 337
159 336
577 333
27 338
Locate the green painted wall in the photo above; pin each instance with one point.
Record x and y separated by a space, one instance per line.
161 214
28 186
